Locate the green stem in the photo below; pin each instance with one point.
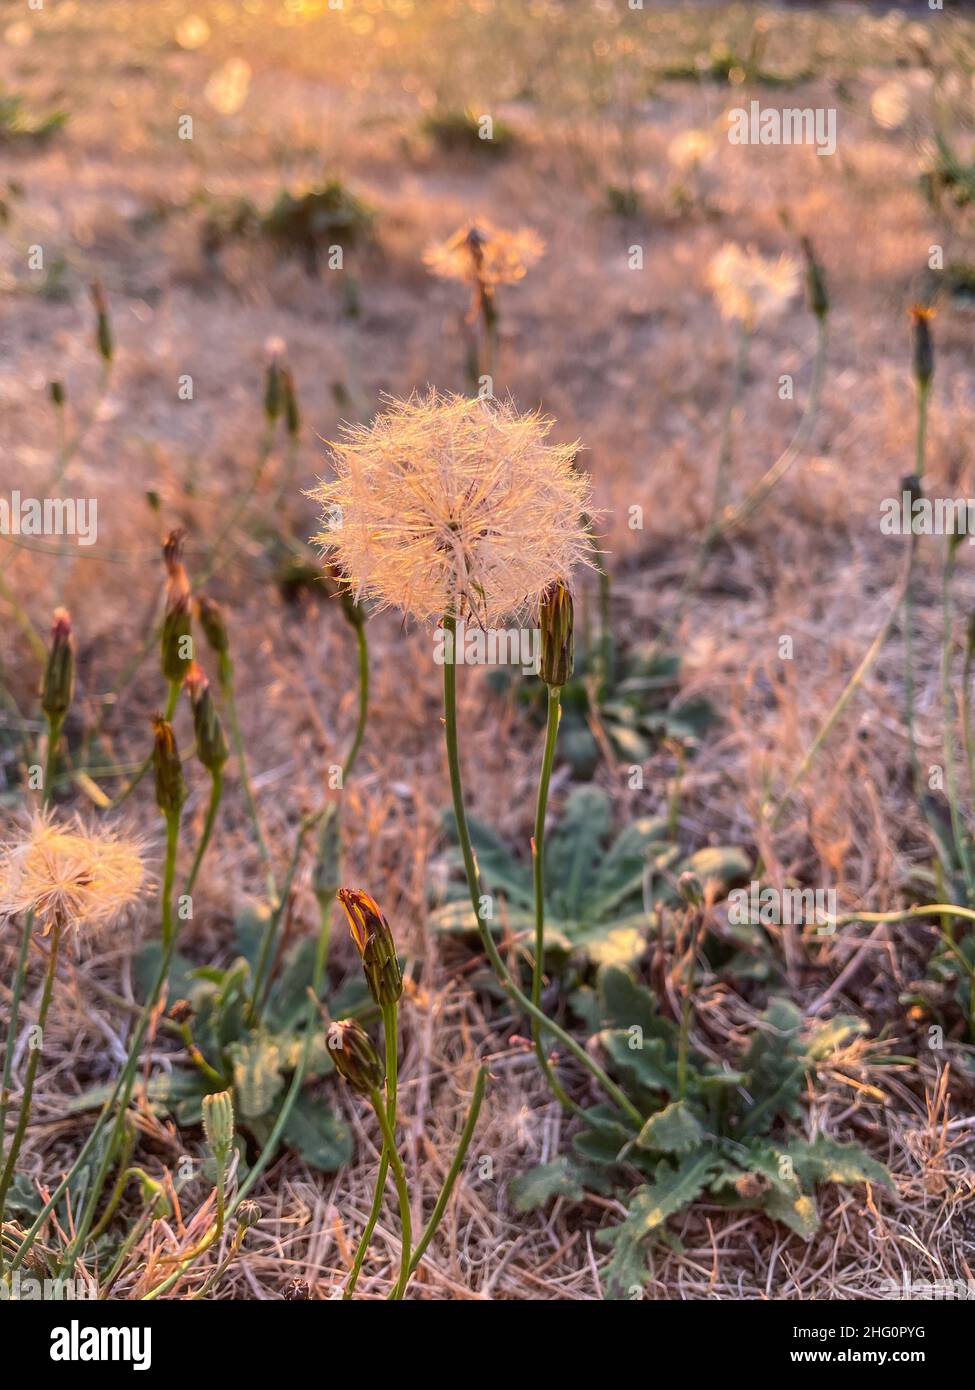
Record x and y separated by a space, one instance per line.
474 887
399 1177
25 1104
958 831
455 1167
216 791
392 1065
227 684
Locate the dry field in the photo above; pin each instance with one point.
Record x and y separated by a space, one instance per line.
207 278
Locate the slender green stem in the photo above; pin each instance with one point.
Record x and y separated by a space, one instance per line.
54 726
958 830
169 933
920 451
538 873
966 717
399 1177
474 888
216 792
455 1167
392 1066
25 1104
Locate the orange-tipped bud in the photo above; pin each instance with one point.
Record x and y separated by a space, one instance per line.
211 745
922 345
170 786
57 688
213 623
375 944
355 1058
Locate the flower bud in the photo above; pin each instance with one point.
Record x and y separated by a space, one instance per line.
248 1214
177 639
355 1058
690 888
218 1123
170 787
923 345
181 1011
375 944
912 485
273 391
213 623
815 281
55 390
58 685
292 414
103 330
558 644
211 745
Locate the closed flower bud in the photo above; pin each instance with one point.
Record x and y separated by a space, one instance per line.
375 944
248 1214
911 484
58 684
103 330
273 391
177 639
558 643
213 623
355 1058
218 1122
211 745
923 345
292 414
170 787
56 392
690 888
815 281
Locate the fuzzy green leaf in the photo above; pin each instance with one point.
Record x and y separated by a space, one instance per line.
673 1130
539 1185
828 1160
257 1064
648 1064
671 1189
323 1140
573 849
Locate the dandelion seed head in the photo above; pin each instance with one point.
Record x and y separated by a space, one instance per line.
750 287
448 504
70 875
482 253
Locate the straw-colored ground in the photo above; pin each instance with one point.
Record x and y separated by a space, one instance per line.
636 364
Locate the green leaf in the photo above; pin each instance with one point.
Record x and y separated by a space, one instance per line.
538 1186
828 1160
625 1004
288 999
673 1130
257 1064
250 924
619 876
573 849
319 1136
647 1064
828 1037
671 1189
797 1211
775 1064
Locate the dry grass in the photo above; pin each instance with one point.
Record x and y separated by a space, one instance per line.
636 365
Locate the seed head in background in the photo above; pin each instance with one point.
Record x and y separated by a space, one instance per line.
78 877
750 287
452 504
480 253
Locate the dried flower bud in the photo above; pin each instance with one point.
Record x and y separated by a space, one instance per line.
296 1291
211 745
103 330
923 345
55 390
213 623
292 413
170 787
58 685
375 944
815 281
218 1123
248 1214
181 1011
355 1058
690 888
177 630
558 648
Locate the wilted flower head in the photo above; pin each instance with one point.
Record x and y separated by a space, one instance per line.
72 876
484 254
448 504
750 287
